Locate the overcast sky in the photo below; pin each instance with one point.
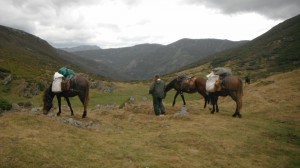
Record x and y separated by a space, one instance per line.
121 23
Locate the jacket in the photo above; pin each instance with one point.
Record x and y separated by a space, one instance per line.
157 89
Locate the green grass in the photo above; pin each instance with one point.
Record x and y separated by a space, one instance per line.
268 135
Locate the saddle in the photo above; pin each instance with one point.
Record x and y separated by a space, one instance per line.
68 85
187 83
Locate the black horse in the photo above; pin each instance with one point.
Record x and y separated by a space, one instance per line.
247 80
79 86
190 85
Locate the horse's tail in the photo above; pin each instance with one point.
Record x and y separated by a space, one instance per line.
202 92
240 92
87 95
241 87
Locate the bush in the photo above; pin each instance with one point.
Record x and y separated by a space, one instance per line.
5 105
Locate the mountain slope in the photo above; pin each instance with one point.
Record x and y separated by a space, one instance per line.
29 57
145 60
275 51
26 55
91 66
27 63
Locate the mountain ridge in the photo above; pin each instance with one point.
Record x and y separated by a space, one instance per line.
80 48
142 61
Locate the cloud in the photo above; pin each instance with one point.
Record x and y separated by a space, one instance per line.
119 23
273 9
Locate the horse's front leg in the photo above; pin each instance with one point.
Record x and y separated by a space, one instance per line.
175 98
214 102
59 105
206 100
69 104
182 97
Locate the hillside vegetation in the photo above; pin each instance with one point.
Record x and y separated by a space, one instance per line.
27 56
268 135
275 51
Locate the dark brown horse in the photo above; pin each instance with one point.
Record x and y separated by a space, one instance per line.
79 86
232 86
188 85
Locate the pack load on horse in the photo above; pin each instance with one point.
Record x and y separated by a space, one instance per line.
214 79
66 83
187 84
221 82
61 80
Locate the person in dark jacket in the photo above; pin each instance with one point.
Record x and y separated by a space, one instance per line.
157 89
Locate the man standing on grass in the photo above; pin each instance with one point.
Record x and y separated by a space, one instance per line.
157 89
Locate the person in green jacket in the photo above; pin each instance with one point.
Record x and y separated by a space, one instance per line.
68 73
157 89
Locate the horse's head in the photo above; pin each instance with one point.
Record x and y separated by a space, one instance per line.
247 80
171 85
48 99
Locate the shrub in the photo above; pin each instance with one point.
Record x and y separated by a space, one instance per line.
5 105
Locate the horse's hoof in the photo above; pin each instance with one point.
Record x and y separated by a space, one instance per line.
58 114
234 115
240 116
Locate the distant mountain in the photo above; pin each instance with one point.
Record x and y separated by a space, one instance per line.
92 66
277 50
81 48
143 61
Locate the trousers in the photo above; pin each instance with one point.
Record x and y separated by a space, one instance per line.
158 106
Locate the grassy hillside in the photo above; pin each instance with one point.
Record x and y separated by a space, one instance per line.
25 55
30 61
275 51
268 135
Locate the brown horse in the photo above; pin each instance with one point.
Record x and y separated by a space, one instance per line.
79 86
232 86
188 85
